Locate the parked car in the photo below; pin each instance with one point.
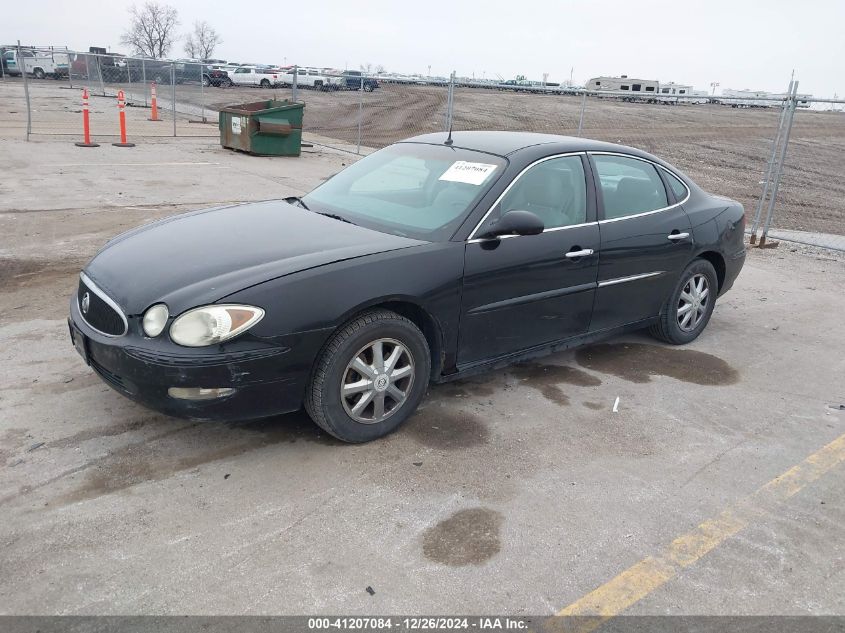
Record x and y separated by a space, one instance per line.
216 77
256 76
429 260
310 78
353 80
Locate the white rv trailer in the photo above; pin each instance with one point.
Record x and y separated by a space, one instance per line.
638 88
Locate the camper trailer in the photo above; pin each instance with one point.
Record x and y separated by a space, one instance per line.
639 89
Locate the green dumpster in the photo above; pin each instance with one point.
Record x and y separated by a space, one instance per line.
266 128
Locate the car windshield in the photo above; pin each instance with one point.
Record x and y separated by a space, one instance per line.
409 189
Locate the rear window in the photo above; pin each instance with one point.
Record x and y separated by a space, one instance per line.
678 187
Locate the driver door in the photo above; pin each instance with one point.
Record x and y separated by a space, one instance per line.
530 290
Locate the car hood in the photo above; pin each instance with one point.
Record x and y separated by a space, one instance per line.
203 256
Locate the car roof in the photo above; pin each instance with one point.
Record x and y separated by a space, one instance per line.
504 143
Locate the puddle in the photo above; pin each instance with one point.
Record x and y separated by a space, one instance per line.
468 537
546 378
638 362
466 388
181 449
441 428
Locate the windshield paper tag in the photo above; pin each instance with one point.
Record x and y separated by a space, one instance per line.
470 173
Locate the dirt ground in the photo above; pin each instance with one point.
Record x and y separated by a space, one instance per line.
724 149
523 491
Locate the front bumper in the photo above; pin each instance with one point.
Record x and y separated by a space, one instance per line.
268 380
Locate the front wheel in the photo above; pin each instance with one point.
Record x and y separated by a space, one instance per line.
688 309
369 378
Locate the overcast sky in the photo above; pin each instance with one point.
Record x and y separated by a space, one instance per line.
738 43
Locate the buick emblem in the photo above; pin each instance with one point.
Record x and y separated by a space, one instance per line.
86 302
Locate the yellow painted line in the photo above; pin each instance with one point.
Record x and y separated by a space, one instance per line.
638 581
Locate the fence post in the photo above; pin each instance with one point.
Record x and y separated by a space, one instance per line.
293 91
144 80
128 79
100 73
770 211
22 65
450 97
202 90
173 93
581 118
69 68
360 112
769 170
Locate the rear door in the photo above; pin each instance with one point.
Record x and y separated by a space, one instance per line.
646 240
524 291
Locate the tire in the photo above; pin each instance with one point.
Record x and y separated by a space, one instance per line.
229 82
265 83
368 88
206 82
38 73
680 328
333 412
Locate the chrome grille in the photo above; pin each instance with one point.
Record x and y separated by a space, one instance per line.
98 310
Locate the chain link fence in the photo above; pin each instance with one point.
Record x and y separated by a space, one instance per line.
725 144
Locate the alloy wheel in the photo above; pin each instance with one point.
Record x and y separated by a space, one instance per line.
693 302
377 381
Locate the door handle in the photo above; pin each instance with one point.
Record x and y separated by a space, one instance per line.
677 236
581 253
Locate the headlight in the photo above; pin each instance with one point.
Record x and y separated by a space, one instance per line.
213 324
155 319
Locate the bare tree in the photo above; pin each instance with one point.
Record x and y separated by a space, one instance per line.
151 29
366 68
201 43
380 69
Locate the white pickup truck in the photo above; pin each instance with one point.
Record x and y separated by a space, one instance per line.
256 76
311 78
36 63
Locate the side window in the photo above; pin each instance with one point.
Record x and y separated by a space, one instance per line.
629 186
678 187
554 190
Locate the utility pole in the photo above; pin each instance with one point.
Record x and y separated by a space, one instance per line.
714 85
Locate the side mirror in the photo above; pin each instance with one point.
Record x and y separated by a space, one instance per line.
517 222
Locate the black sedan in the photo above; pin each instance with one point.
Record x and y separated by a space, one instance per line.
429 260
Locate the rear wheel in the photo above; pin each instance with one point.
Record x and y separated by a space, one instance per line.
265 83
206 81
688 309
39 73
369 378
